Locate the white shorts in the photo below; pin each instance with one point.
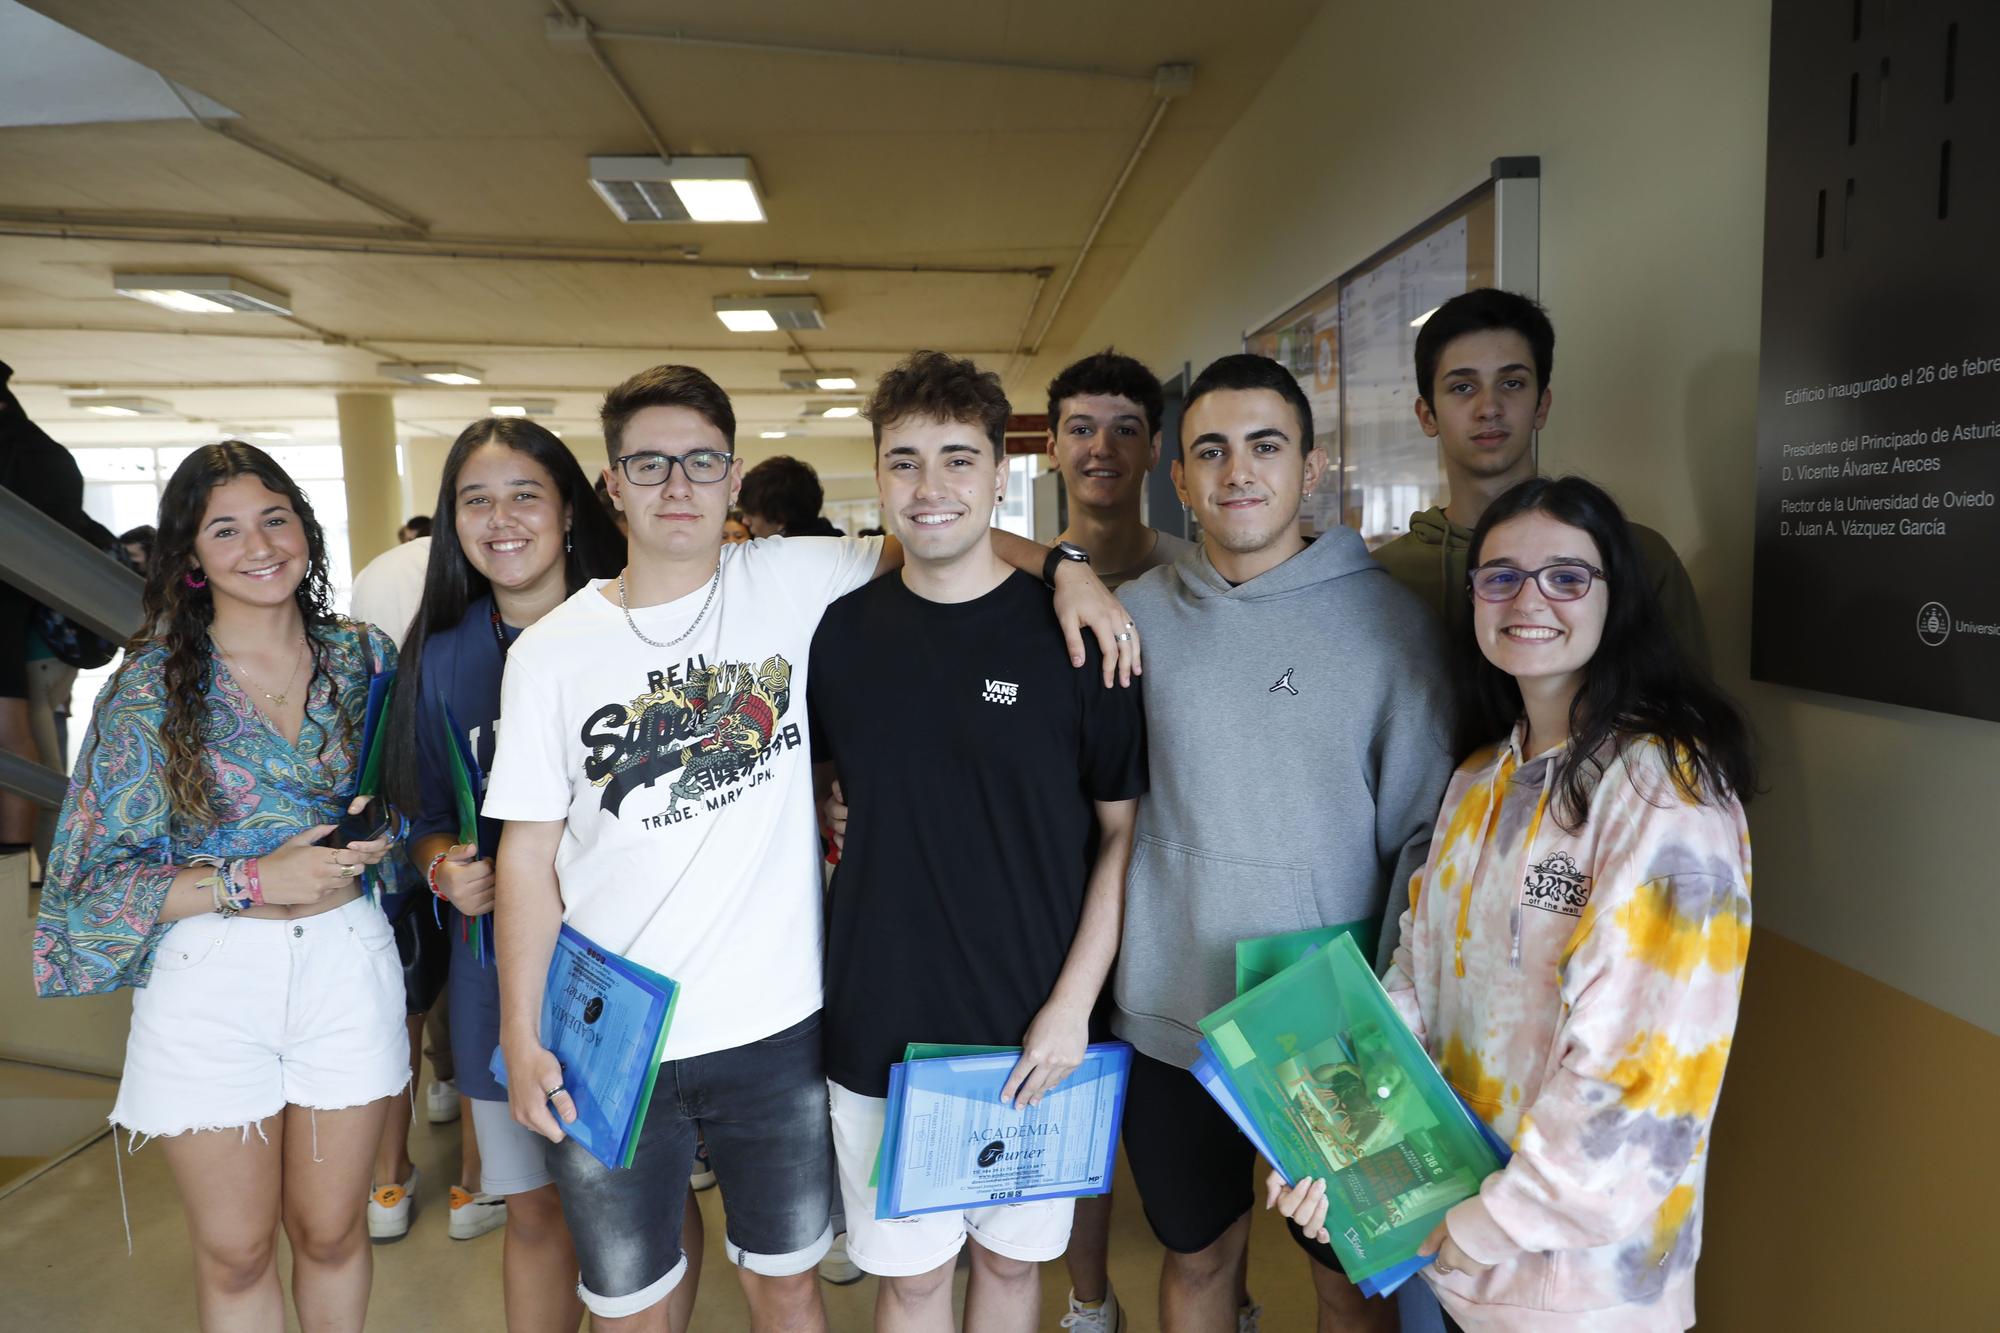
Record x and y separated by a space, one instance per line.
513 1159
904 1247
243 1017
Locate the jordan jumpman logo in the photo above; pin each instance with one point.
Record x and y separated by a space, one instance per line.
1285 683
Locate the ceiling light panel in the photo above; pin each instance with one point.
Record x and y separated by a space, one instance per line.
118 405
678 189
202 293
768 314
430 372
522 407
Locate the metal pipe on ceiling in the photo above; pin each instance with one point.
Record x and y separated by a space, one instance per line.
1110 201
477 344
680 37
219 233
286 158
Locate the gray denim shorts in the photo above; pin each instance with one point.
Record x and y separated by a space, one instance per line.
762 1110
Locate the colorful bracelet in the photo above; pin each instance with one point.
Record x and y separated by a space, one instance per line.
431 875
254 881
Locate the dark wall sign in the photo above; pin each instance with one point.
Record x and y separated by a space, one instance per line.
1878 423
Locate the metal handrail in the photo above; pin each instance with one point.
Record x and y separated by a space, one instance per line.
60 570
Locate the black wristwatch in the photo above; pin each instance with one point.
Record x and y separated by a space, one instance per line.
1058 553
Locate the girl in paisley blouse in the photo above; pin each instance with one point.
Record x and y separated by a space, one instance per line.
267 1027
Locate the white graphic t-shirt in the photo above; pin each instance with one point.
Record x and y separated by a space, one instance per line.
685 776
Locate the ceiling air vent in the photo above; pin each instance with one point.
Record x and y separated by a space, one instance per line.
679 189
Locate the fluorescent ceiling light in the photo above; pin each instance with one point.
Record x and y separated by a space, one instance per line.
767 314
779 273
1422 319
268 433
678 189
202 293
522 407
747 321
841 413
770 435
122 406
430 372
807 380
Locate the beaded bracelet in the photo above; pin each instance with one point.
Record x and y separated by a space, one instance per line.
431 875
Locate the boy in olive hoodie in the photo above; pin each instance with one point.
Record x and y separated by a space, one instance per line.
1297 725
1483 366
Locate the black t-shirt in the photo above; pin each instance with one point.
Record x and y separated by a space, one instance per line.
970 752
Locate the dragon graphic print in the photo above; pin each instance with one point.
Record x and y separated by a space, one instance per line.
706 729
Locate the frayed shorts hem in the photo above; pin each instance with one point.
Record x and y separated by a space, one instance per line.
246 1125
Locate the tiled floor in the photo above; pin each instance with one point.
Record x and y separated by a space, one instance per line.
63 1266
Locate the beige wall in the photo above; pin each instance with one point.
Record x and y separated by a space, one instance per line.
1650 123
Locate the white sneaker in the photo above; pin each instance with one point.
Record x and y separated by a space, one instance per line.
1247 1317
441 1102
473 1215
837 1268
1105 1318
389 1209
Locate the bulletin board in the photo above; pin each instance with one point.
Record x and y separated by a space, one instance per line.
1350 345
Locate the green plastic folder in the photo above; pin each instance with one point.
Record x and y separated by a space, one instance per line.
1258 960
1339 1088
927 1050
462 798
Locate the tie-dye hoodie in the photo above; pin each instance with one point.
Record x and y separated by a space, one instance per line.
1580 991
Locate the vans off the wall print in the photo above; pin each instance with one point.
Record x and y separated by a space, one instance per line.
1556 885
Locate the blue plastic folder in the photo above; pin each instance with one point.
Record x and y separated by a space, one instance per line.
606 1019
949 1143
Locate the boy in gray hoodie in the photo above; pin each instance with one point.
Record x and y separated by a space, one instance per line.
1297 721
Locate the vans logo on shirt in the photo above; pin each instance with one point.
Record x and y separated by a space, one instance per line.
1556 885
1285 683
1000 691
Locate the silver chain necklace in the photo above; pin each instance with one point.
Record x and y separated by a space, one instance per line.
714 582
280 698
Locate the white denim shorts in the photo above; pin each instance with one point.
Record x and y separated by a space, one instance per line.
243 1017
906 1246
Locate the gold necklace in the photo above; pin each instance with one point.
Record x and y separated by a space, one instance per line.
236 670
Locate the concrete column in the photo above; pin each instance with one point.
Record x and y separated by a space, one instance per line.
368 465
423 468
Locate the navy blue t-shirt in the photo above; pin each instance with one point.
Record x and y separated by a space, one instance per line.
461 669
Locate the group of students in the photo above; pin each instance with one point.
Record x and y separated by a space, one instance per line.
1494 735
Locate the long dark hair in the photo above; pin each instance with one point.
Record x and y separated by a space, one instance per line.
177 617
452 585
1639 684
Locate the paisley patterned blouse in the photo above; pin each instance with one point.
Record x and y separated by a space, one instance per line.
117 846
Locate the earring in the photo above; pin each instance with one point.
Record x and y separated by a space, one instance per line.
568 543
194 582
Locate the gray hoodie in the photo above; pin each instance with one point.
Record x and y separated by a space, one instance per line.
1298 734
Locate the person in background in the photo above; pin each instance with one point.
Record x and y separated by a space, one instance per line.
1104 438
519 529
977 898
1483 364
1573 952
138 544
266 1037
43 473
735 530
782 497
419 525
1297 725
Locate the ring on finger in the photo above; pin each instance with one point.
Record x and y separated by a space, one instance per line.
351 871
1122 637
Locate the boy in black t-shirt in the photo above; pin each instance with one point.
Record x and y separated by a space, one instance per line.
992 792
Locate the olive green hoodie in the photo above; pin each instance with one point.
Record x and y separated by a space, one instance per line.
1430 560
